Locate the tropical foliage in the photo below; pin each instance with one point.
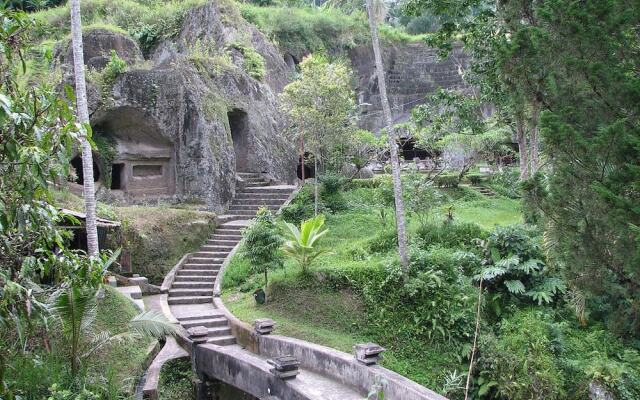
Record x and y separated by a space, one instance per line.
302 243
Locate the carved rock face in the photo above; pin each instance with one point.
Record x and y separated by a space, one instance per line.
97 46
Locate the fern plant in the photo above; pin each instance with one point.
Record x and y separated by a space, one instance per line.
301 245
513 266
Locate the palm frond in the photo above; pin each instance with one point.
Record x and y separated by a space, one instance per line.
153 324
515 286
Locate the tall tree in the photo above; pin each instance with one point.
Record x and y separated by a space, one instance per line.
373 8
83 117
319 107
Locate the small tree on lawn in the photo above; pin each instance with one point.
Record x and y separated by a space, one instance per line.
262 243
319 106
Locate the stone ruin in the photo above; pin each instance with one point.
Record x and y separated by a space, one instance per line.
180 130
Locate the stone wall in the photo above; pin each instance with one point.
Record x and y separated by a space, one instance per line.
413 70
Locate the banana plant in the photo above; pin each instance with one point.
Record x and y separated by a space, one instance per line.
301 245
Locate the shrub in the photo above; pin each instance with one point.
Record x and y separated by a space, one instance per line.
385 241
253 63
447 181
451 234
475 179
330 193
262 243
506 183
519 363
301 207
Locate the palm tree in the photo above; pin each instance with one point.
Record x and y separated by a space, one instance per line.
376 11
83 116
75 310
301 243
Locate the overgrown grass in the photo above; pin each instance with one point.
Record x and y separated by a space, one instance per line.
156 237
299 31
112 372
176 380
146 20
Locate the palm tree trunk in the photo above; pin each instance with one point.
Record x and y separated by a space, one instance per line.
83 116
393 142
523 149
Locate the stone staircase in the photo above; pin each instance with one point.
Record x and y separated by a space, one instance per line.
191 293
485 191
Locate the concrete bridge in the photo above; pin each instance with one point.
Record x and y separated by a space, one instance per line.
224 349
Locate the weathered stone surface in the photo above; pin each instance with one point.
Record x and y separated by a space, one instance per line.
97 46
413 70
183 128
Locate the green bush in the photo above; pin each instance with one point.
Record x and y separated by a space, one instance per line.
451 235
331 192
253 63
301 207
506 183
384 241
447 181
519 363
475 179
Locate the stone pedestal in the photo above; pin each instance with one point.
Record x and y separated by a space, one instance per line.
285 367
264 326
198 335
368 353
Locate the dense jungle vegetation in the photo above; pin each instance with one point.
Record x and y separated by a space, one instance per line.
531 292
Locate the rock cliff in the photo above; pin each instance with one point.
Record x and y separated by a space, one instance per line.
203 104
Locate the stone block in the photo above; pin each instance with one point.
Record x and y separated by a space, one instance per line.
284 367
198 334
264 326
368 353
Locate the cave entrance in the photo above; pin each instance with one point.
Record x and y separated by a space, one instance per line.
239 126
410 151
76 163
116 176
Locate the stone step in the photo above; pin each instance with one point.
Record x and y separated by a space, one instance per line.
190 292
261 196
193 278
193 284
190 300
227 231
256 202
218 247
219 331
210 254
248 173
252 207
268 190
206 260
255 183
222 340
207 322
223 242
197 272
249 213
235 238
212 313
202 267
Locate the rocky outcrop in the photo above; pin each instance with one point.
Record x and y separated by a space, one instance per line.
413 70
183 125
97 47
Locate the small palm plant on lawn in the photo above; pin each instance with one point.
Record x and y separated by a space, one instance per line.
302 242
74 309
